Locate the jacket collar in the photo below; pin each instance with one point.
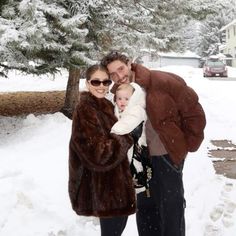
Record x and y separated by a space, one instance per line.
142 75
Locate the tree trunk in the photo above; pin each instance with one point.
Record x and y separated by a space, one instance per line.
72 92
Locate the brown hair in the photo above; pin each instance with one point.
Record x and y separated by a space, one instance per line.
113 56
92 69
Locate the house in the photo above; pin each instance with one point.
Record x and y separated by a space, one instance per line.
158 59
229 47
187 59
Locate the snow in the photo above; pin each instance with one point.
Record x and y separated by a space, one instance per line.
228 25
17 81
34 165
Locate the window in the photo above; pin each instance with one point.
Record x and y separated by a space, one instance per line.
228 33
234 30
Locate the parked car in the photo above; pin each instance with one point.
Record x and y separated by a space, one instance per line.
214 68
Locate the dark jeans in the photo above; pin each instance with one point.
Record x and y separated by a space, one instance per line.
163 213
113 226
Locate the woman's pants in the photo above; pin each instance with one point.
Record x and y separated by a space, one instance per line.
163 213
113 226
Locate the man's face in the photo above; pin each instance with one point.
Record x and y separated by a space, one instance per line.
119 72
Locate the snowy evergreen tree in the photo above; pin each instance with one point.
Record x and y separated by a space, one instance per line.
50 33
191 38
42 36
210 36
158 25
68 33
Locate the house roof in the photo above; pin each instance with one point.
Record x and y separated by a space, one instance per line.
227 26
187 54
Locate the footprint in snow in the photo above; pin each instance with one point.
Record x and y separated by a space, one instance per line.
222 213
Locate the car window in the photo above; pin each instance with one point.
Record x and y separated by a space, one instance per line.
215 63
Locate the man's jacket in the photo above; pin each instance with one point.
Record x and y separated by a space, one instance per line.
174 111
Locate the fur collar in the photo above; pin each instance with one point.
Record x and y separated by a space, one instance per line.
87 100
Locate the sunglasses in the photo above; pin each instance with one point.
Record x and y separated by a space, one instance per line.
97 83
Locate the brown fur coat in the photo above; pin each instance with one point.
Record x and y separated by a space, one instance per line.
100 183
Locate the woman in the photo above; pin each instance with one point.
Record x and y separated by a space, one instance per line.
100 182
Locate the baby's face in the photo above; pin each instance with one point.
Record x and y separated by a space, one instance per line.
122 98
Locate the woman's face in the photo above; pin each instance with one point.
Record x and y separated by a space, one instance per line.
94 85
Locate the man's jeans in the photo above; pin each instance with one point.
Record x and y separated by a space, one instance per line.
163 213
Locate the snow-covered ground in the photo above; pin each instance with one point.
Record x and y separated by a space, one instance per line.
17 81
34 166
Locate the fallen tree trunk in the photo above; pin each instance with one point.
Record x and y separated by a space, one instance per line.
24 103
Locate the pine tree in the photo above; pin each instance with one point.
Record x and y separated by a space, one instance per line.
210 35
56 34
132 25
42 36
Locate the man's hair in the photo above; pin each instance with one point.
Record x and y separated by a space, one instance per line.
113 56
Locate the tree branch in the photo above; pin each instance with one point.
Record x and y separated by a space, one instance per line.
130 26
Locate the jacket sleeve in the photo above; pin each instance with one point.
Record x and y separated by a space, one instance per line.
129 120
184 101
97 149
193 119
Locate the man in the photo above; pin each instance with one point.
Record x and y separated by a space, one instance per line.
174 127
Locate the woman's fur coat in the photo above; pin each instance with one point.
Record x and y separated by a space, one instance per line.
100 182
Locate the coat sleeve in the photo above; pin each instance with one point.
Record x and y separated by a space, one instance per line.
193 119
129 121
98 150
75 174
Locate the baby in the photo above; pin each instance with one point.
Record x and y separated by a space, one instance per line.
130 110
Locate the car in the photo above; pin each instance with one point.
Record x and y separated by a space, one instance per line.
214 68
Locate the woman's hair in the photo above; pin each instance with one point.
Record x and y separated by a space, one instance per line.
113 56
92 69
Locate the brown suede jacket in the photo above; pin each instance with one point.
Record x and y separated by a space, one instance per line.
100 183
174 111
